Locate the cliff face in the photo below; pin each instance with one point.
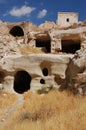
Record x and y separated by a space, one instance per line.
47 37
45 70
47 54
76 72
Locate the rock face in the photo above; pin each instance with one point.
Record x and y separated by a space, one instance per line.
47 37
47 26
44 70
76 72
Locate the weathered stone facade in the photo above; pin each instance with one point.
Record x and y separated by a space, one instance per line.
50 41
41 67
55 46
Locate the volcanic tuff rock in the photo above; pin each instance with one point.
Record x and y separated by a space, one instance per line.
53 65
76 72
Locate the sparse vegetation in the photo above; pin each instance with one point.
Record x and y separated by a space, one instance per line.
53 111
6 99
45 89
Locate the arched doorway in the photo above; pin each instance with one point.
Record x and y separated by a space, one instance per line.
22 82
17 31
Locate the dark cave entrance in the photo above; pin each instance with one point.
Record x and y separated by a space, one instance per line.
22 82
2 75
17 31
45 72
70 46
42 81
45 45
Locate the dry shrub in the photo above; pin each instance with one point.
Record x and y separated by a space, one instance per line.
29 50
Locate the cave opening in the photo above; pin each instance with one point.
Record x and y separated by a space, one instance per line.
70 46
67 19
2 75
42 81
45 72
45 45
17 31
22 81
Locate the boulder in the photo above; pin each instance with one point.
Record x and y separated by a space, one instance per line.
47 26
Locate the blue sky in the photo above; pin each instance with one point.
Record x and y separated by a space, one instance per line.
39 11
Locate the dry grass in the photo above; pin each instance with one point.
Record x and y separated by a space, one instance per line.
6 99
53 111
30 50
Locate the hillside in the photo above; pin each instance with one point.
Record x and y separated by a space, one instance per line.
43 75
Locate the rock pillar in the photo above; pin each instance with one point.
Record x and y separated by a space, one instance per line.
55 45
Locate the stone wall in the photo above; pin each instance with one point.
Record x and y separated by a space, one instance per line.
66 19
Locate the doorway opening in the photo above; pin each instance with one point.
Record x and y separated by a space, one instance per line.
45 72
70 46
22 82
17 31
2 75
45 45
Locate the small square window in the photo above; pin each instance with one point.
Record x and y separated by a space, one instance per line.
67 19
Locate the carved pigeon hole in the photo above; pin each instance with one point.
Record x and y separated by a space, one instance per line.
22 82
42 81
45 72
16 31
46 68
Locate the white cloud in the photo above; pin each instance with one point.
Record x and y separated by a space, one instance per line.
24 10
42 13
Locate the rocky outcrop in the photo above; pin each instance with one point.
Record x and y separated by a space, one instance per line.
19 40
45 70
47 26
9 45
47 36
76 73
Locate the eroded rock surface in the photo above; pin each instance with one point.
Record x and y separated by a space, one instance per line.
76 72
45 52
45 70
